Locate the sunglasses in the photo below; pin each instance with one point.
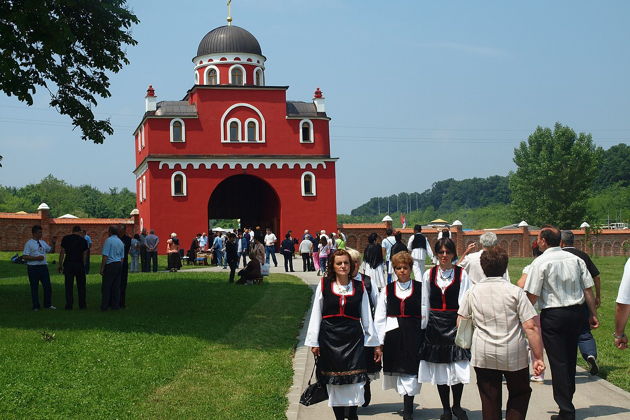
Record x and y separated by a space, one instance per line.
444 252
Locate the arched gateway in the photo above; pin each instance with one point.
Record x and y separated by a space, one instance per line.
234 148
248 198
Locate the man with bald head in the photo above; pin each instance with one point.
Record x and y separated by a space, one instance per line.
561 283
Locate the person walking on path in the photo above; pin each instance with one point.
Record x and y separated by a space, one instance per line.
231 254
387 245
34 254
623 309
398 321
152 241
270 247
111 267
503 318
72 265
323 250
586 341
287 252
562 283
469 260
419 247
340 327
174 261
306 251
374 264
442 362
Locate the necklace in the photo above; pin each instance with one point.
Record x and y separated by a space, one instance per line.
404 289
446 274
344 289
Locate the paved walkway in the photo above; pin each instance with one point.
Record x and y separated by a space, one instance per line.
594 398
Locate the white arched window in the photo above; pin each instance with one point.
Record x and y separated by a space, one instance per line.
142 136
196 77
251 130
258 77
306 131
139 193
225 124
138 141
178 184
144 187
211 75
308 184
234 129
178 131
237 75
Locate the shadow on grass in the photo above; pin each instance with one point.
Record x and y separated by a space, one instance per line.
201 305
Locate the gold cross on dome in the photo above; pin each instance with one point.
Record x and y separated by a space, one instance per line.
229 17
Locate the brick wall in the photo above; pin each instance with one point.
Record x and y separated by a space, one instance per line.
15 229
517 242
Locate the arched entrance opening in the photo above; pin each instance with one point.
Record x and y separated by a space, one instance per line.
248 198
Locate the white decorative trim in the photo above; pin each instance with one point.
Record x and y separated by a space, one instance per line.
237 66
313 184
205 75
311 131
256 132
239 133
184 184
196 77
242 163
173 121
137 140
257 71
142 135
216 59
139 190
227 111
140 170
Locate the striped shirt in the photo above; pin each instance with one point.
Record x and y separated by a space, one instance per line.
498 308
558 278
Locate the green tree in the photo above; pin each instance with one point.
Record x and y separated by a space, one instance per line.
555 171
67 47
615 168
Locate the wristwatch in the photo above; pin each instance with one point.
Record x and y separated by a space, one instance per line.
619 337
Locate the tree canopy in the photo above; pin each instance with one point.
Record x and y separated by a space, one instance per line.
66 47
554 175
615 167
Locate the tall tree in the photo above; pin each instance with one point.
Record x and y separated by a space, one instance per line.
555 171
66 47
615 167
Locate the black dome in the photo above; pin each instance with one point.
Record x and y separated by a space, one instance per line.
228 39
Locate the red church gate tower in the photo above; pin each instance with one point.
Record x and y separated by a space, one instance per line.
234 148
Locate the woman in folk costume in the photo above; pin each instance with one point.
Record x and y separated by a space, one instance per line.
420 249
340 327
374 264
442 362
398 246
373 368
398 322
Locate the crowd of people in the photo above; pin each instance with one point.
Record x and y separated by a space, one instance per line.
388 315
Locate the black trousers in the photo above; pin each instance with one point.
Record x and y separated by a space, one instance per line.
72 270
110 286
233 266
306 261
560 333
87 261
144 260
152 257
288 261
124 276
490 387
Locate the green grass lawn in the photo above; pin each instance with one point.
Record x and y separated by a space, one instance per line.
189 345
614 364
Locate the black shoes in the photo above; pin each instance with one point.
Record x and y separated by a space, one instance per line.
592 364
446 416
460 413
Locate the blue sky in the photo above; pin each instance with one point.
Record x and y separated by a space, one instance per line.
418 91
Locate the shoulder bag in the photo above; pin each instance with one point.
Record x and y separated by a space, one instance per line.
314 393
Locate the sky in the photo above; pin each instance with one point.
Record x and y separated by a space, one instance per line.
418 91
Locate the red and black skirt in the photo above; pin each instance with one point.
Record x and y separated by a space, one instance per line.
342 360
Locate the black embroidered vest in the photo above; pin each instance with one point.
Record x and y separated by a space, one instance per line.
419 241
348 306
409 307
447 301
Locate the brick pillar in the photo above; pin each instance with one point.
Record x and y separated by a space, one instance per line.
525 246
135 214
458 238
44 221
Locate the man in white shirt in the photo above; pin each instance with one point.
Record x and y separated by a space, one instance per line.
420 248
561 282
306 250
35 251
471 261
623 309
270 247
387 245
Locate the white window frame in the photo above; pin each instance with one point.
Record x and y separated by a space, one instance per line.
140 190
246 130
244 74
173 121
205 75
144 187
138 141
311 131
196 77
184 184
313 184
225 127
257 71
240 130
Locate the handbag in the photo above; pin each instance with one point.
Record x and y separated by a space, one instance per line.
264 269
314 393
463 338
